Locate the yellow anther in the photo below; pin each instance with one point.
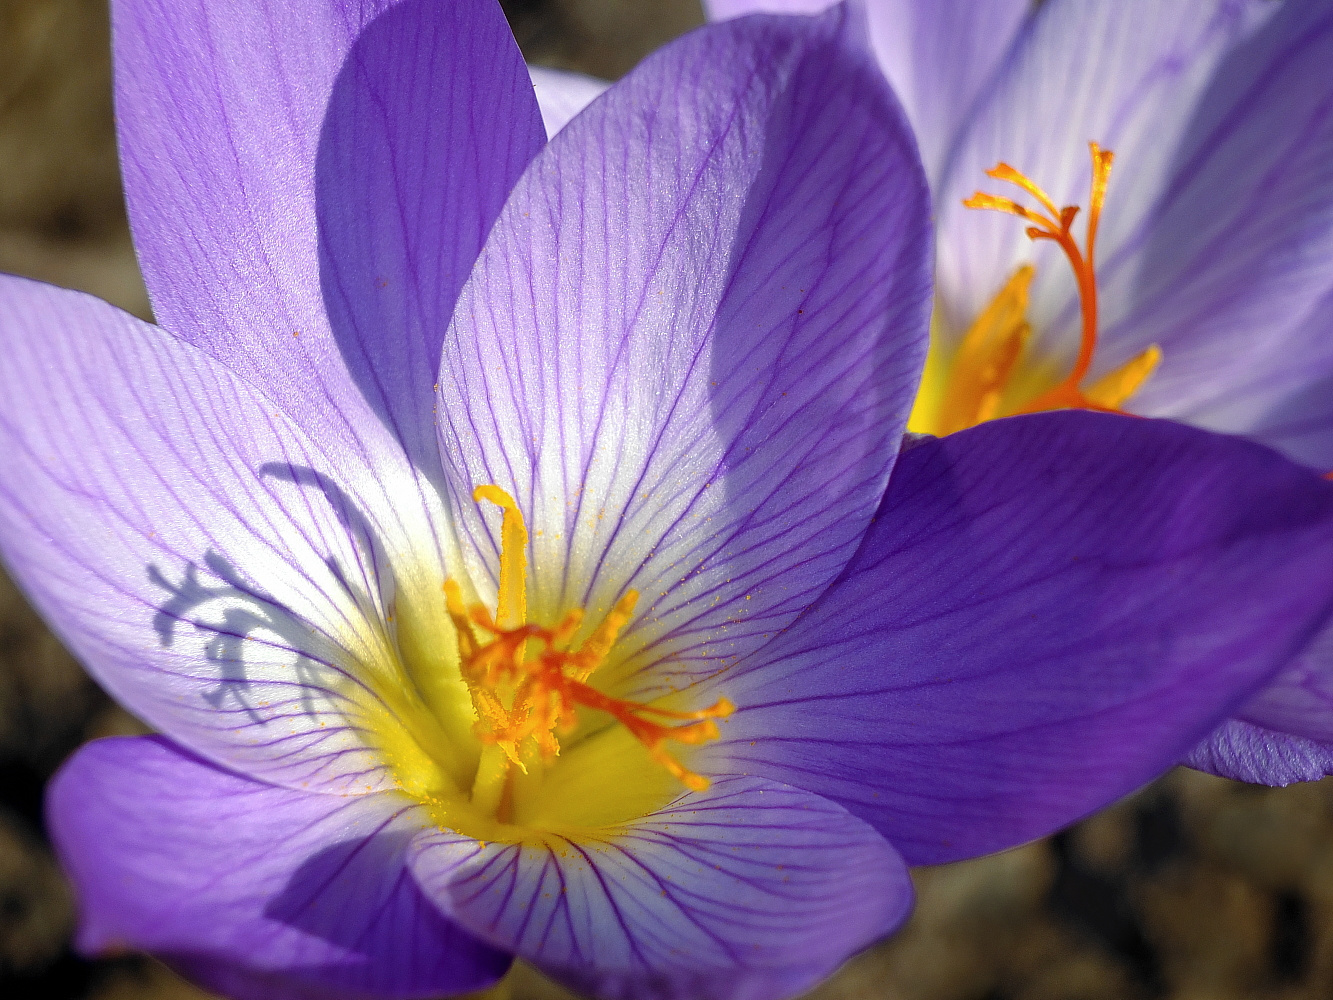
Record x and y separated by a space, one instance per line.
986 357
512 608
1113 388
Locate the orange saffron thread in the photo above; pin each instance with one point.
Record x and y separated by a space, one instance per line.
1055 224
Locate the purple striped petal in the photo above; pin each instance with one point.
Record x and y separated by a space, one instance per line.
938 54
690 345
561 95
309 183
1128 74
187 542
720 10
1236 256
1246 752
255 891
1299 701
1285 396
750 891
1048 611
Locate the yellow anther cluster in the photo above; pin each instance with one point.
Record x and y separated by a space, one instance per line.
527 683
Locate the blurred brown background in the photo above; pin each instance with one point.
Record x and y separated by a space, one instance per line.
1195 889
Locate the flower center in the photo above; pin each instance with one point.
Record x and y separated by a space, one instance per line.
527 681
983 380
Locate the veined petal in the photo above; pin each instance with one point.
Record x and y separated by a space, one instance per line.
690 344
1047 612
259 892
1127 74
1299 700
1284 398
188 543
938 54
749 891
309 183
721 10
1243 751
561 94
1229 271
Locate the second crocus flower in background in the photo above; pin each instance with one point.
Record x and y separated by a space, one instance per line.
1203 291
502 537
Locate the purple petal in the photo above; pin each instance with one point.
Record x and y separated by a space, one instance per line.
309 184
1246 752
562 95
750 891
1285 732
938 54
1128 74
257 891
188 543
1048 611
690 344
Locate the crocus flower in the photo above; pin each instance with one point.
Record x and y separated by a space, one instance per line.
1203 291
502 537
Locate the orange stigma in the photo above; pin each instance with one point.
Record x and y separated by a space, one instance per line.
527 682
981 381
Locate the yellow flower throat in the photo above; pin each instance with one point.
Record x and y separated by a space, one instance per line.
990 374
527 682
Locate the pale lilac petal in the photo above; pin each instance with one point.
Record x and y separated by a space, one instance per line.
1284 397
188 543
260 892
1228 273
561 94
1299 700
1246 752
690 344
309 183
1128 74
750 891
1048 611
938 54
721 10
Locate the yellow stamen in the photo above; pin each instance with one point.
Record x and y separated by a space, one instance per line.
512 608
1113 388
526 683
986 357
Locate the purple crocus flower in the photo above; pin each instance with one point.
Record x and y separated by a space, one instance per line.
502 536
1214 253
